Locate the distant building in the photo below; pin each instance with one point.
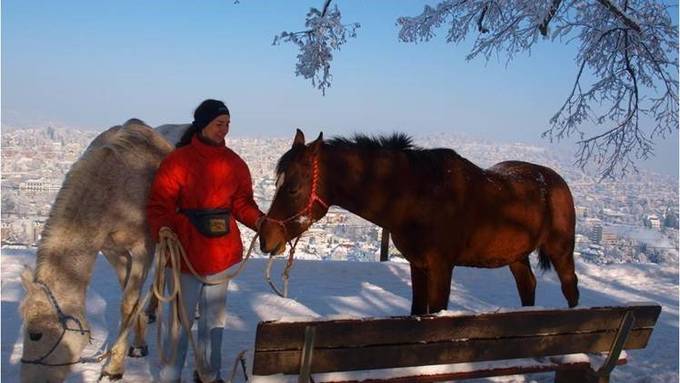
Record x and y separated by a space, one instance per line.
581 211
608 237
596 233
5 231
653 221
613 215
39 184
581 239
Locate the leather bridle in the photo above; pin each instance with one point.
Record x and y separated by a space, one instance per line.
307 210
63 320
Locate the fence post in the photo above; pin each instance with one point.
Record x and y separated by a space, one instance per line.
385 245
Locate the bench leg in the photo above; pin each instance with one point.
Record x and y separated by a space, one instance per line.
306 357
584 375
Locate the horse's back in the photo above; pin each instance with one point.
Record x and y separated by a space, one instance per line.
132 136
521 170
106 188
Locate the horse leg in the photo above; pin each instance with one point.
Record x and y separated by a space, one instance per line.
121 263
438 288
525 280
560 251
138 266
151 307
142 258
419 291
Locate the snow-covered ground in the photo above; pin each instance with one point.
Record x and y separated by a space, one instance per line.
331 288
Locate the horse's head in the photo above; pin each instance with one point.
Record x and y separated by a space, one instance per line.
54 333
300 198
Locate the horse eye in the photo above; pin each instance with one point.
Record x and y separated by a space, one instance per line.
35 336
293 189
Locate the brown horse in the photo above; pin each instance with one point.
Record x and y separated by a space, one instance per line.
441 209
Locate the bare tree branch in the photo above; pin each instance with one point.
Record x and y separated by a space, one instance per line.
325 7
627 20
480 21
554 6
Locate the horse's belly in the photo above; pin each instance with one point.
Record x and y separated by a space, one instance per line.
496 249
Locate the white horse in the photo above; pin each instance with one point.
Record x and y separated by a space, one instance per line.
101 207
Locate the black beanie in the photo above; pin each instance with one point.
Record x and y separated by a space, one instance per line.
208 111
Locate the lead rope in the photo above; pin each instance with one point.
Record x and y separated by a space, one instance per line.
284 275
169 248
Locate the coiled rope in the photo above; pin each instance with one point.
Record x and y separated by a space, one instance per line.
170 251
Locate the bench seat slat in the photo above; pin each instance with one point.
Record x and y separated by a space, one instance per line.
465 373
457 351
401 330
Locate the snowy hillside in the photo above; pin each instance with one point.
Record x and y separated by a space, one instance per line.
328 288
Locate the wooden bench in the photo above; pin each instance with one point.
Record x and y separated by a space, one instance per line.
453 347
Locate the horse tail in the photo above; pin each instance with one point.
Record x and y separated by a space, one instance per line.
543 260
558 243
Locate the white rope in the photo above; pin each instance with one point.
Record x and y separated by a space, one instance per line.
169 249
285 274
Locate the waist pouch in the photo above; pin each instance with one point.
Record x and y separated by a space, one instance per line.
209 222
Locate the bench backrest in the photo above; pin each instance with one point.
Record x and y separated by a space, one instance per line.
373 343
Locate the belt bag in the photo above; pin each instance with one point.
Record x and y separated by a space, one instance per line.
209 222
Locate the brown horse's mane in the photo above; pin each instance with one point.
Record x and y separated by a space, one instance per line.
396 141
426 159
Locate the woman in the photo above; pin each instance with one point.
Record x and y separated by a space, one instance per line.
199 192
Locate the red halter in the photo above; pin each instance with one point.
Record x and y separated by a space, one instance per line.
313 197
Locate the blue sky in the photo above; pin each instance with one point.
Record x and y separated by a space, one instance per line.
92 64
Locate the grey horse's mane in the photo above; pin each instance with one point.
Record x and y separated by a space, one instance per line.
124 145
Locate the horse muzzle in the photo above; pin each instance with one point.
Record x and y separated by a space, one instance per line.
272 237
272 247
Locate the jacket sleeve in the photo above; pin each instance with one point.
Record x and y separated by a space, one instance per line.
243 205
163 198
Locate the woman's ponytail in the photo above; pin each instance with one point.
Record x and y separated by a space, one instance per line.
187 136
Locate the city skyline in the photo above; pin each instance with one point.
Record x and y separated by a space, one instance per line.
637 223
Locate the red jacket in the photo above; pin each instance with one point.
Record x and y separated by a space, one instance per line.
203 176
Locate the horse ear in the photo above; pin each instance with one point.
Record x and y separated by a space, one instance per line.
27 278
299 138
316 145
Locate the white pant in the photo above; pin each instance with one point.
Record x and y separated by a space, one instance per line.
211 301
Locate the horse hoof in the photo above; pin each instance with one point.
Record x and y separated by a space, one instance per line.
138 352
150 318
109 377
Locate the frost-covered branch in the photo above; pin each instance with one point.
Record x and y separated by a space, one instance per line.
325 33
626 84
621 14
480 21
543 26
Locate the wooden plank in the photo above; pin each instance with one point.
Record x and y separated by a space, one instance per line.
404 330
476 374
385 245
471 350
